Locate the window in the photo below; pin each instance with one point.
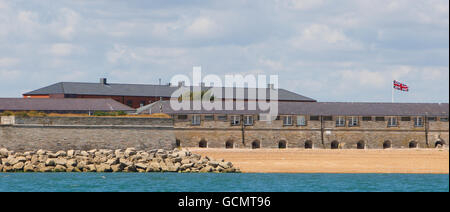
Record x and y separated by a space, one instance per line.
444 119
353 121
209 118
406 118
328 118
182 117
367 118
392 122
235 120
248 120
196 119
432 118
222 118
418 121
301 121
287 120
314 118
130 103
142 103
379 118
340 121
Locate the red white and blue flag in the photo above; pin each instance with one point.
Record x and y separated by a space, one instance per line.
400 86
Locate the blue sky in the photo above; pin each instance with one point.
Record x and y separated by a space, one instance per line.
346 50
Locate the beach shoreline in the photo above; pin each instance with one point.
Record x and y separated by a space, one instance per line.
402 161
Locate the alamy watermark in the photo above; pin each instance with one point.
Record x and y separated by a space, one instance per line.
234 93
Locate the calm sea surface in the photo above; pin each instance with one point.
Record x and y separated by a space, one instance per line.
93 182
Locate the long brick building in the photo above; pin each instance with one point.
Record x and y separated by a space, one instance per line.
328 125
135 95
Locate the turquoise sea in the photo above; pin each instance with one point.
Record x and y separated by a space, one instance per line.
174 182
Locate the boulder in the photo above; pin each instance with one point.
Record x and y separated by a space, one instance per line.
84 153
141 166
206 169
130 152
103 168
61 154
185 161
71 153
59 168
50 162
118 167
71 162
213 163
131 168
61 161
125 161
41 152
113 161
225 165
18 166
186 166
4 153
154 167
91 168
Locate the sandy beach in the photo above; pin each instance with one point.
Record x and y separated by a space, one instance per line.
431 161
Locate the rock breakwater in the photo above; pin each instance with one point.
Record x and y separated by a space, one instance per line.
129 160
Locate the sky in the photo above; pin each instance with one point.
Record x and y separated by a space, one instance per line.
343 51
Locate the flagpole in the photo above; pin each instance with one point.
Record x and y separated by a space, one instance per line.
393 95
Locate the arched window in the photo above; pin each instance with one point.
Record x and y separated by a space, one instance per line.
256 145
413 144
335 145
229 145
387 145
282 145
439 144
308 145
203 144
361 145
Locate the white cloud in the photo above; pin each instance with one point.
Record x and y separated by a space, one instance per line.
10 74
301 4
275 65
365 78
66 25
202 27
319 36
126 55
8 61
63 49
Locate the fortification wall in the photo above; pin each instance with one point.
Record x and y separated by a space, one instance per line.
85 133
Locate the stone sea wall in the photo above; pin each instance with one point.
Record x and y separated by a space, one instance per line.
129 160
85 133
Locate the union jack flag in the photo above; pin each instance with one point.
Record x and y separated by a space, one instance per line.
400 86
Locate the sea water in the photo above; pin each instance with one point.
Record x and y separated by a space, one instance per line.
175 182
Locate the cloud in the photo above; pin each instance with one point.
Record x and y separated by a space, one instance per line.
319 48
63 49
8 61
301 4
319 36
202 27
67 24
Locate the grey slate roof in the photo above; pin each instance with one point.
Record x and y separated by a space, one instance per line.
114 89
325 108
34 104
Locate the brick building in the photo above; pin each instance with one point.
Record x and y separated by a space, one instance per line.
327 125
134 95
